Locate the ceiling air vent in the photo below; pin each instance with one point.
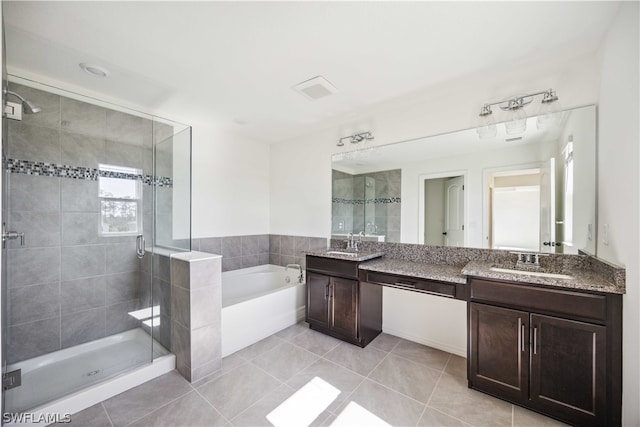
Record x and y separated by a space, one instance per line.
316 88
514 139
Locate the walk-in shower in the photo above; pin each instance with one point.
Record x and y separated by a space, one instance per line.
84 183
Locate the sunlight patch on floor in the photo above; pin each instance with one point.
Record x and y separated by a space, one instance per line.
304 406
356 415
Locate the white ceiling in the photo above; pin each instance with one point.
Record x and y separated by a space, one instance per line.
223 62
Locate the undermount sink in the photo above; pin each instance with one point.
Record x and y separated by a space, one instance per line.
353 254
532 273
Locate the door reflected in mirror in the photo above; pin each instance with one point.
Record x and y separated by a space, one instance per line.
533 191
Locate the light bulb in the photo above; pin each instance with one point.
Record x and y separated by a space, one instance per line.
487 128
518 122
549 115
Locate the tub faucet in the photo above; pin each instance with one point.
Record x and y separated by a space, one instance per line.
301 276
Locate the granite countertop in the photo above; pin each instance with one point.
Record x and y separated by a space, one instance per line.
440 272
335 254
584 276
580 279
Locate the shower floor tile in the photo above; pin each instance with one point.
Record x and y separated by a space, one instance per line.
246 393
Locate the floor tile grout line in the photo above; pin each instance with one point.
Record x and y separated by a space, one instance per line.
267 373
344 367
159 407
465 423
258 401
296 373
213 407
421 364
396 391
361 382
317 357
320 355
106 412
261 353
244 362
435 387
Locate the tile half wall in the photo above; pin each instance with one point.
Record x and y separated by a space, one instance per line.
259 249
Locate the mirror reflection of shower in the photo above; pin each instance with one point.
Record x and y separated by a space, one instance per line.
27 106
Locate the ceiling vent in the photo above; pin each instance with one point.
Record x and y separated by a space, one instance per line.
316 88
514 139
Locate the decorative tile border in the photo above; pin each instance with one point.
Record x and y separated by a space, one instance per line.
377 201
78 172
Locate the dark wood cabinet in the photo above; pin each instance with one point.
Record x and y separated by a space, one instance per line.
557 359
318 298
339 305
498 359
568 373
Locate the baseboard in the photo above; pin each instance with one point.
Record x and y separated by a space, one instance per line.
462 352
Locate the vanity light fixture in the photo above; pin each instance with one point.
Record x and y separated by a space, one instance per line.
515 105
355 138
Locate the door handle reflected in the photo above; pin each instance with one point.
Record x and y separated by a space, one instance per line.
140 246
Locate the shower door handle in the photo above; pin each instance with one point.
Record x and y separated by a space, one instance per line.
140 246
11 235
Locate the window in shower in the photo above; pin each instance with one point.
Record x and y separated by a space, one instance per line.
120 191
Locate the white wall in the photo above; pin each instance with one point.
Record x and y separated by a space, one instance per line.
230 184
300 202
618 184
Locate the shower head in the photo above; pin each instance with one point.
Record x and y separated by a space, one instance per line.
27 106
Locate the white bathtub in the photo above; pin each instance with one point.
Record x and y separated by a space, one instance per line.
258 302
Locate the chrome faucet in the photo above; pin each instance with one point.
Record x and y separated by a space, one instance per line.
299 267
352 244
528 259
350 241
360 237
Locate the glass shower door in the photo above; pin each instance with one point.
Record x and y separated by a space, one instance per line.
79 303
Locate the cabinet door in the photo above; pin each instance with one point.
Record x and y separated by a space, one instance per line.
344 307
568 368
318 299
499 351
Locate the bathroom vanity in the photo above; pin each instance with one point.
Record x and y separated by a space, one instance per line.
549 342
338 304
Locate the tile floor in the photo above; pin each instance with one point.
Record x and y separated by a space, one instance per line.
399 381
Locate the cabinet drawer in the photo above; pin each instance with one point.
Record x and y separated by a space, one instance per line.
333 267
566 302
412 284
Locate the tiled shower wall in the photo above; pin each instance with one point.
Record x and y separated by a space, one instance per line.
68 284
250 251
367 202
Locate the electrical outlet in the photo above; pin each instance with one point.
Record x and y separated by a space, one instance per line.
605 234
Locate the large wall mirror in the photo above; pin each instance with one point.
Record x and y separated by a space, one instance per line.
532 191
